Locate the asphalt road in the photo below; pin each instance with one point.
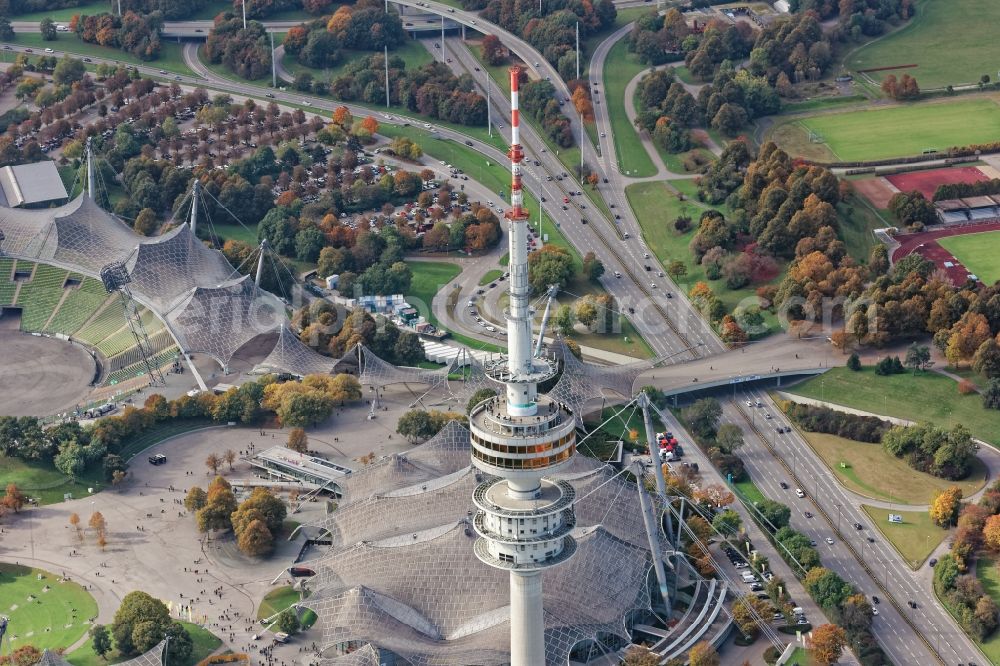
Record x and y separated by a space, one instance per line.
875 567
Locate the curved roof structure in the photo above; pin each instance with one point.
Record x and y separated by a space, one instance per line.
208 307
293 356
408 582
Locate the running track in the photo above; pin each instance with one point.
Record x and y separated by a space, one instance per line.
925 244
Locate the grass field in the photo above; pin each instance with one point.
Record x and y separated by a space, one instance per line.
490 276
978 252
924 397
44 613
749 490
656 207
989 576
43 481
915 538
872 472
895 131
411 51
278 600
950 42
171 53
203 643
620 67
857 222
429 277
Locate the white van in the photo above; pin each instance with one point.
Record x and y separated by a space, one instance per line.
799 493
749 577
798 612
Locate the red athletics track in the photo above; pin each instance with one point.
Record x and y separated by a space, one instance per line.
926 182
910 243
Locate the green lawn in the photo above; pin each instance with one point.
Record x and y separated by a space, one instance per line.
978 252
949 42
237 232
857 222
490 276
429 277
656 207
52 618
171 53
65 14
989 576
203 643
620 67
905 130
411 51
749 490
278 600
43 481
923 397
872 472
915 538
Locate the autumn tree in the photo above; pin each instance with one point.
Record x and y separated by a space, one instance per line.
26 655
677 269
944 508
828 641
220 504
255 539
195 499
342 117
298 440
74 520
230 457
703 654
748 611
991 532
967 335
638 655
13 498
97 523
213 462
493 51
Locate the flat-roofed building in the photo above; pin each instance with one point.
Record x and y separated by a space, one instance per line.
32 184
281 462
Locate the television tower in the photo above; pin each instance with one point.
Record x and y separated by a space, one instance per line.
523 519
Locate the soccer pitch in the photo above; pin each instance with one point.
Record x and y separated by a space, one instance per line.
980 253
44 613
900 131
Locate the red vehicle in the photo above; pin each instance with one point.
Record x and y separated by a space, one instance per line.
565 199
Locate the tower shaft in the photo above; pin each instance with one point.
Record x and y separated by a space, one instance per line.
527 622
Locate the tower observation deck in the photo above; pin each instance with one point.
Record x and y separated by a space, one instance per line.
523 519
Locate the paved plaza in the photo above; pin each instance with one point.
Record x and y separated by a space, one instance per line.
154 546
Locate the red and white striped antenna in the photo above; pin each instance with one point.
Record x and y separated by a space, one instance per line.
517 210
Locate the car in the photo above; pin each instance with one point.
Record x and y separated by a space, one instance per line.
493 285
779 616
177 78
584 221
603 135
932 562
829 540
618 275
468 143
157 459
87 60
566 200
802 620
799 493
49 50
631 310
28 51
300 572
626 236
749 404
767 416
669 294
198 30
808 514
911 603
756 587
784 486
871 539
269 95
451 10
307 102
163 71
812 542
477 69
859 526
652 285
875 612
7 47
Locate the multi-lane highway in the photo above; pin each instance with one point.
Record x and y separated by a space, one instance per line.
863 556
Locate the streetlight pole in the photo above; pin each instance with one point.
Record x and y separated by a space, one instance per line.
838 518
243 4
387 76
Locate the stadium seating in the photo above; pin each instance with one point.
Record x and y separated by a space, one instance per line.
40 295
135 369
78 306
7 286
123 339
108 320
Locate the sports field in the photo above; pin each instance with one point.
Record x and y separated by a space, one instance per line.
952 42
900 131
44 613
980 253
